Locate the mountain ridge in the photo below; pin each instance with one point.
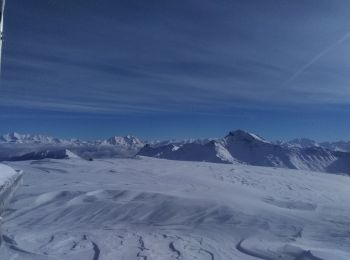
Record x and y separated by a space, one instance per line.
302 142
244 147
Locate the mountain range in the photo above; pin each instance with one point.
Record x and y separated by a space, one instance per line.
15 147
16 138
342 146
134 142
236 147
247 148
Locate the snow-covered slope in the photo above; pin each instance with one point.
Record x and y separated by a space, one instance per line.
248 148
6 173
9 180
256 151
208 152
159 209
42 154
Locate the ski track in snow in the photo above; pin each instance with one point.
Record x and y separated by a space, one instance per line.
149 209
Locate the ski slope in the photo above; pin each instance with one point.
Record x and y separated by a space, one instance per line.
151 208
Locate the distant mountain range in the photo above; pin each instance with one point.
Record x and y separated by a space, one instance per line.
15 138
342 146
14 147
130 141
27 138
237 147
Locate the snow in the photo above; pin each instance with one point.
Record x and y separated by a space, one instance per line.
6 173
9 180
258 138
151 208
245 136
342 146
127 141
48 153
302 143
71 155
92 149
223 154
236 147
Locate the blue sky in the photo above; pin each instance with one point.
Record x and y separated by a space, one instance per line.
184 68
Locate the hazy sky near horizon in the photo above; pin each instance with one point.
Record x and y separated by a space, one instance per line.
184 68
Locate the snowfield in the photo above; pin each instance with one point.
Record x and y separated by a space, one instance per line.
151 208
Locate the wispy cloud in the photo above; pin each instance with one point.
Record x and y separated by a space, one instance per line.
316 58
179 56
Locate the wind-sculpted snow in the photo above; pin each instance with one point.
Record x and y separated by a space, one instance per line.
158 209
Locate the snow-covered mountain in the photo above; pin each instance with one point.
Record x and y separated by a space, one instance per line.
253 150
15 146
211 151
301 143
16 138
29 139
176 142
128 141
343 146
248 148
237 147
113 147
